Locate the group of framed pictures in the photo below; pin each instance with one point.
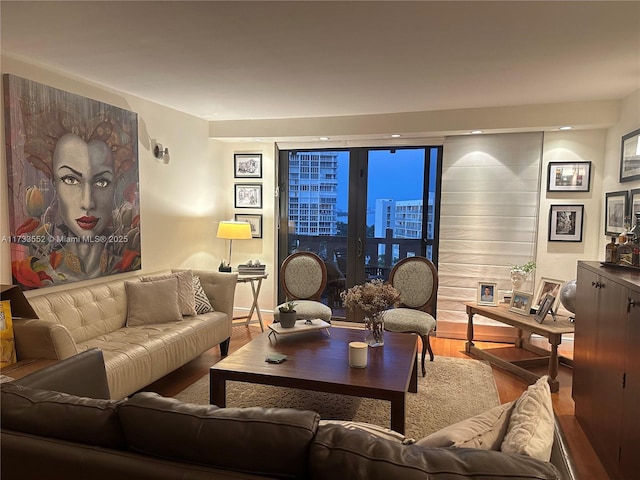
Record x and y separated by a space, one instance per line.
624 203
565 221
618 206
248 195
545 300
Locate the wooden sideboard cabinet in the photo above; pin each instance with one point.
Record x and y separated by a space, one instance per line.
606 364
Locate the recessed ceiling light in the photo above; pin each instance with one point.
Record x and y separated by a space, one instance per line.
476 132
566 127
395 135
324 138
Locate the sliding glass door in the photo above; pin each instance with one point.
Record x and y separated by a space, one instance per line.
361 210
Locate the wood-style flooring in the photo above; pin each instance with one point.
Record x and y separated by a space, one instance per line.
509 386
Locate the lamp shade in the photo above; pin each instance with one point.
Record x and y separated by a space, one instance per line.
233 230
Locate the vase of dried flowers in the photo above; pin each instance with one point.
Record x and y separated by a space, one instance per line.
374 325
373 299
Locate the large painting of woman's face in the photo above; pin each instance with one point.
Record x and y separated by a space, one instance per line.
73 183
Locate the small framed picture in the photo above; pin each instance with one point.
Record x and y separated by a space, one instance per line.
565 223
248 195
634 203
547 286
520 302
544 308
247 165
630 157
569 177
255 220
487 293
615 211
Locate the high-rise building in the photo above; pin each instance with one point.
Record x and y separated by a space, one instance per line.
313 192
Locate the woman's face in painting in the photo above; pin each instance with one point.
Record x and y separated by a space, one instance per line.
84 180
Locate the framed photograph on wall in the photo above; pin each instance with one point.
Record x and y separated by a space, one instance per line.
565 223
247 165
544 308
248 195
569 177
615 211
520 302
630 157
634 204
547 286
487 293
255 220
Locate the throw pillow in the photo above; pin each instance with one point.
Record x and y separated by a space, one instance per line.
531 425
374 431
485 431
203 305
59 415
186 297
152 302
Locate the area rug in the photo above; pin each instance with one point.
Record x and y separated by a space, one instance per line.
452 390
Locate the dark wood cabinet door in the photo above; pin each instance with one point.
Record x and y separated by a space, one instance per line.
630 437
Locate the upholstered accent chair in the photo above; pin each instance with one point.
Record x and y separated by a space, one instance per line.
416 278
303 277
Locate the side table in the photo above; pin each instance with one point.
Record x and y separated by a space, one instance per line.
256 283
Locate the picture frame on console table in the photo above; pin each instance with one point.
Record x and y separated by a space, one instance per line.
520 302
487 293
616 206
634 203
630 157
547 286
544 308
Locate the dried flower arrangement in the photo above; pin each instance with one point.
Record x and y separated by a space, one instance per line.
372 298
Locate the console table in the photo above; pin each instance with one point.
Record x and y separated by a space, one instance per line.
550 329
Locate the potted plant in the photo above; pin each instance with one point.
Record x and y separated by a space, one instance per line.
288 314
520 274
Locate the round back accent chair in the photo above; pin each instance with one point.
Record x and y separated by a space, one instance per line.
303 277
416 278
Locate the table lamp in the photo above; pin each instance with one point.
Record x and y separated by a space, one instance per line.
233 230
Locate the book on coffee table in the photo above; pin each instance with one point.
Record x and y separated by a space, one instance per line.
300 327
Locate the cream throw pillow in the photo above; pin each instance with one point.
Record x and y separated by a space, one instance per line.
186 297
484 431
152 302
532 423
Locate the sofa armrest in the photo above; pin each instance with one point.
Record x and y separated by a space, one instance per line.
83 375
42 339
220 287
560 454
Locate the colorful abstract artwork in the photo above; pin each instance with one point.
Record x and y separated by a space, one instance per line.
72 165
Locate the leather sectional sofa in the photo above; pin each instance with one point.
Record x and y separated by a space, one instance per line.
79 435
135 353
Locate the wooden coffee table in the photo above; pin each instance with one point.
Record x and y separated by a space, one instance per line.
321 363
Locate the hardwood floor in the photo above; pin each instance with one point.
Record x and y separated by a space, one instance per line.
509 386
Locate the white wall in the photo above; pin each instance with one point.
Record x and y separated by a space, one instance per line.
179 202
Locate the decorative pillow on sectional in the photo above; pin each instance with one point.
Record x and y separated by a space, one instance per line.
485 431
186 297
374 430
531 425
203 305
152 302
58 415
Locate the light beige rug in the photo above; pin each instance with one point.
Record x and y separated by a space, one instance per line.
453 389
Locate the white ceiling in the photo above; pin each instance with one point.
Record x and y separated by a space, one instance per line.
276 60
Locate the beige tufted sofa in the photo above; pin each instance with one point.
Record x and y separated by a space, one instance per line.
78 319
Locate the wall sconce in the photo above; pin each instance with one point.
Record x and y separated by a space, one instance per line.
160 154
